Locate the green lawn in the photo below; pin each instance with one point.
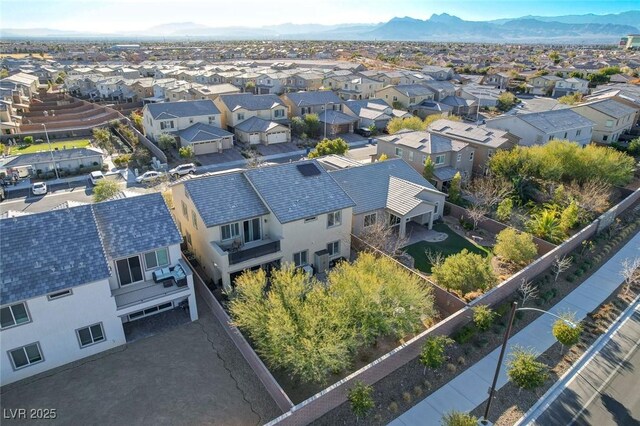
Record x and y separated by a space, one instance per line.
30 149
452 245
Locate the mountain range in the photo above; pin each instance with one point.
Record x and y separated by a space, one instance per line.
569 29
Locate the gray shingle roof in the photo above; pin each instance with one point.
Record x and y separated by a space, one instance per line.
59 155
612 108
292 196
335 117
368 185
224 198
413 90
202 132
322 97
250 102
135 225
256 124
556 120
423 141
357 105
50 251
167 110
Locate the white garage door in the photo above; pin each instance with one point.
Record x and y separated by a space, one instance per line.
254 138
205 147
277 137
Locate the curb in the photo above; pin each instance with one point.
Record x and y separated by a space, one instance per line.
550 396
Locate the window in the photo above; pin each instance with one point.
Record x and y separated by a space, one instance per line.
278 113
89 335
459 158
150 311
251 229
156 259
609 123
240 116
334 219
14 315
399 152
185 211
334 249
190 120
230 231
490 153
194 219
578 132
310 219
26 355
440 159
300 258
565 135
212 120
59 294
369 220
424 159
471 155
410 155
129 270
394 220
605 137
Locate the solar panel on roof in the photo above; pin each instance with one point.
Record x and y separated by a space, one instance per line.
308 169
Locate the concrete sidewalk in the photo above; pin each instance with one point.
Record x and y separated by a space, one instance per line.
470 389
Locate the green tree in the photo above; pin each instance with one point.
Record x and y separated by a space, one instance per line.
516 247
166 141
524 371
250 87
566 334
571 99
4 73
360 399
186 152
433 351
28 140
329 146
455 194
412 123
506 101
136 118
570 216
298 126
457 418
504 210
105 189
464 272
483 316
312 123
546 225
102 138
60 78
634 147
429 167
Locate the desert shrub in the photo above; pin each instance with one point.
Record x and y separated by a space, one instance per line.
483 316
516 247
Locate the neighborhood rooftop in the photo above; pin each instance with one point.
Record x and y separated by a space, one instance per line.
168 110
552 121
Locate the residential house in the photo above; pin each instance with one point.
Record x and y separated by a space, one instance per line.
627 94
569 86
405 96
205 139
240 107
449 156
176 117
212 91
438 73
28 82
335 122
271 83
499 80
441 89
357 88
304 80
484 96
256 130
372 112
427 108
391 192
542 84
263 218
112 263
611 119
302 103
68 159
538 128
486 142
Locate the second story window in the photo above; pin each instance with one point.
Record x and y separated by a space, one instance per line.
471 155
410 155
399 152
334 219
240 116
230 231
440 159
129 270
578 132
278 113
194 219
185 210
212 120
14 315
157 258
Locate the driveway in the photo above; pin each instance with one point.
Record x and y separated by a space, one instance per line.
191 374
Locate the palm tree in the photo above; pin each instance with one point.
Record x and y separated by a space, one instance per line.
546 225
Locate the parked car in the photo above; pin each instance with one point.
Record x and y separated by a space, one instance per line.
149 176
39 188
364 132
96 177
183 169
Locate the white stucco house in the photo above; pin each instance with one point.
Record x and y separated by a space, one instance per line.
173 117
611 118
76 279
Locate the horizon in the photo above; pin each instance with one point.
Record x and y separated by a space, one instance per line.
79 16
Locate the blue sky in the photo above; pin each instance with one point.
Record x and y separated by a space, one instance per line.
133 15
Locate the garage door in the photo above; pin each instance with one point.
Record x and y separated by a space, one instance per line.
205 147
254 138
277 137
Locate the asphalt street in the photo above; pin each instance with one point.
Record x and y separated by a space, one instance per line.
607 391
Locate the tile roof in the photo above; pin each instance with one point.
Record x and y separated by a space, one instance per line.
423 141
251 102
335 117
369 185
444 173
472 133
200 132
292 196
555 120
413 90
167 110
50 251
403 195
224 198
611 108
256 124
322 97
135 225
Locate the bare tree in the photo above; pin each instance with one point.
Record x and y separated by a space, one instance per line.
254 159
560 264
630 272
593 197
488 192
435 258
384 238
528 291
476 213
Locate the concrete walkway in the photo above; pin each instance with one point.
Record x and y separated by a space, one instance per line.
470 389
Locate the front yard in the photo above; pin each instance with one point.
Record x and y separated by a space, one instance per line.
60 145
454 243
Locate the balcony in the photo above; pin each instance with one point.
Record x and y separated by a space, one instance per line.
253 250
134 294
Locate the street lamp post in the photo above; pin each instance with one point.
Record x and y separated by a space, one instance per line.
512 314
55 168
325 118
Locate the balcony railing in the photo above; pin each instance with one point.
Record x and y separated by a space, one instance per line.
243 254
